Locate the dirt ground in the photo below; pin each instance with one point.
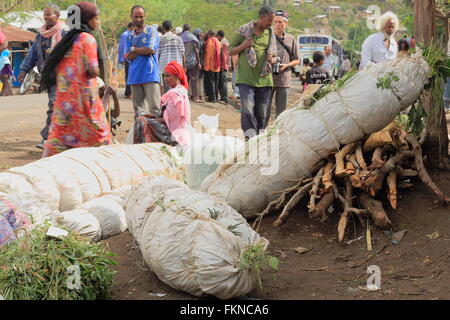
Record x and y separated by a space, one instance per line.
417 268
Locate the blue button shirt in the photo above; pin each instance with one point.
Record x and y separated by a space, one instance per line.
143 69
122 46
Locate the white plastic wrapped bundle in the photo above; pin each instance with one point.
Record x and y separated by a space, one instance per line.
81 222
42 181
301 137
69 179
11 183
205 154
188 249
109 213
142 196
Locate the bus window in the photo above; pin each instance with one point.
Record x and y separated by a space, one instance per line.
325 41
305 40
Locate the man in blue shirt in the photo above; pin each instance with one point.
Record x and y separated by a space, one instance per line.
143 69
122 46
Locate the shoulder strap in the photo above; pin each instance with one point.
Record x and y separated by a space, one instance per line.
284 46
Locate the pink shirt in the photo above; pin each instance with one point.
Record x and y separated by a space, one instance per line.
2 37
178 113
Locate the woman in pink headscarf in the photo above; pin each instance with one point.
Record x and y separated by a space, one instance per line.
172 126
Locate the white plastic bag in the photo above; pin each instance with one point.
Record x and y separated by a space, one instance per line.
301 137
109 213
12 183
81 222
42 181
186 247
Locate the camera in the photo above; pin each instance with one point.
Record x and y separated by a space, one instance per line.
276 67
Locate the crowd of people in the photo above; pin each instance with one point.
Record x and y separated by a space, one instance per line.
167 67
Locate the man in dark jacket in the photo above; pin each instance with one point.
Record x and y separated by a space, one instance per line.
47 38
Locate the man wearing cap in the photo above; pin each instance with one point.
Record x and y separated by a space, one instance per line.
49 35
287 51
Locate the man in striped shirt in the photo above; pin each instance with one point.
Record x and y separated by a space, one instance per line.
171 48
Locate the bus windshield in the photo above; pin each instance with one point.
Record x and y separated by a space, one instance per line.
314 40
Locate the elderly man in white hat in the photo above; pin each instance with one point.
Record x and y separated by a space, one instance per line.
381 46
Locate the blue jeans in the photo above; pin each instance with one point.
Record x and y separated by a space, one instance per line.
255 104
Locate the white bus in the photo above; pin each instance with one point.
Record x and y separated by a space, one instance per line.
310 43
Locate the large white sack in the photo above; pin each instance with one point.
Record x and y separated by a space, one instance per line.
165 159
134 172
31 204
123 194
190 251
12 183
81 222
301 137
205 154
87 157
109 213
142 196
42 181
67 177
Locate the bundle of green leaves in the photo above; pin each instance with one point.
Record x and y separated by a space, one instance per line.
36 267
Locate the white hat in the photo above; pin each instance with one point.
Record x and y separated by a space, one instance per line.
178 30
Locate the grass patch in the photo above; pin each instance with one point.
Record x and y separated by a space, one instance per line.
36 267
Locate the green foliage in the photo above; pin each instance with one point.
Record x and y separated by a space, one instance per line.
214 213
35 267
232 228
256 259
386 81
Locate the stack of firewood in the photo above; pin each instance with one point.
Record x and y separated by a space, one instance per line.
356 178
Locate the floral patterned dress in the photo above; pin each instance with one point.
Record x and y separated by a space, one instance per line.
79 119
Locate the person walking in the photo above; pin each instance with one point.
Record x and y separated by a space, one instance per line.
6 72
141 53
289 57
121 56
171 48
256 46
212 65
328 63
79 119
403 48
224 67
345 67
193 63
381 46
49 35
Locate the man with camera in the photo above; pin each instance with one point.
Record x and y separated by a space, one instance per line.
288 58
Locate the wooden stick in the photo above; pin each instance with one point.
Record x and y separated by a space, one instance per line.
328 176
360 158
422 172
377 158
376 211
292 203
320 211
378 139
349 168
392 187
344 217
314 189
340 156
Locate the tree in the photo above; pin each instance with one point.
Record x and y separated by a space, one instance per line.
436 145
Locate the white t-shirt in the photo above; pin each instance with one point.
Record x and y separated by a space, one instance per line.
374 50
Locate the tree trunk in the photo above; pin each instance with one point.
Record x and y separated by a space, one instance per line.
436 146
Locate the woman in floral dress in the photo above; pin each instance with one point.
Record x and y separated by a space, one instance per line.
79 119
